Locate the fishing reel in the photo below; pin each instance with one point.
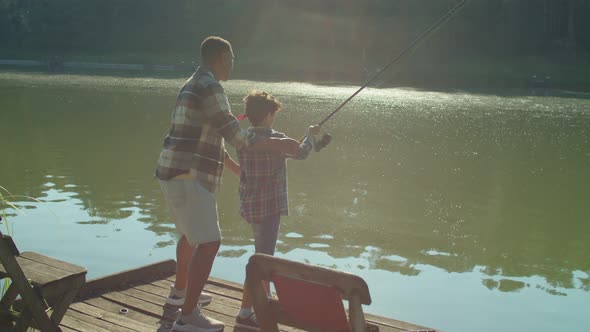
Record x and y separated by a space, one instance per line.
325 140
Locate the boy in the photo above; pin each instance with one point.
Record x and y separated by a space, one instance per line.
263 185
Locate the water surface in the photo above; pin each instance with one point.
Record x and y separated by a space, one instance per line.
461 211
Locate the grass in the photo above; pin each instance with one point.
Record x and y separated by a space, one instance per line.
5 202
3 219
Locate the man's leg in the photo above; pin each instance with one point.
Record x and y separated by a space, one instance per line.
198 218
184 251
199 269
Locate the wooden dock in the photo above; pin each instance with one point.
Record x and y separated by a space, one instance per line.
134 300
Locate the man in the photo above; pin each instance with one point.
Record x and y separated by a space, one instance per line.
190 167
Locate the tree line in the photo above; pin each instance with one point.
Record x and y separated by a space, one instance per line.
329 33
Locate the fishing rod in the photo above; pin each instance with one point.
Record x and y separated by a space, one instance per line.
414 44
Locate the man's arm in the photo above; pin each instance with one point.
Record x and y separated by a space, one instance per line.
231 164
217 112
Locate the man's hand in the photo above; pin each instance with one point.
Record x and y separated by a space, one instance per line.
231 164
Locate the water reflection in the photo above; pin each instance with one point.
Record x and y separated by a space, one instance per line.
483 185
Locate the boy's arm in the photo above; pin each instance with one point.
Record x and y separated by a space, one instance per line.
306 143
231 165
274 144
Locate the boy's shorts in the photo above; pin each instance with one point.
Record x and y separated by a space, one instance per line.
266 234
194 210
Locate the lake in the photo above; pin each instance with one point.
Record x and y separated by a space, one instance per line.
462 211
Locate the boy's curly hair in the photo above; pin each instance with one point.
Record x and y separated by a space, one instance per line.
259 104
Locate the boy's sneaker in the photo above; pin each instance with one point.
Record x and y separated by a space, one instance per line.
249 322
176 297
196 322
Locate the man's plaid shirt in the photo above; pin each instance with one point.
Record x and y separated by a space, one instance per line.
201 121
263 180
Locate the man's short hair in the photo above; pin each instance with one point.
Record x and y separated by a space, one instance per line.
212 48
259 104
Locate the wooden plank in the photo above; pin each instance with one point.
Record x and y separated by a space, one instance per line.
212 289
96 322
224 284
45 267
130 302
170 313
55 291
397 325
120 319
114 308
232 304
219 305
214 286
39 273
33 256
67 329
145 296
155 271
153 289
80 325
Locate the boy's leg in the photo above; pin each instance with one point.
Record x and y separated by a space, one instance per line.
265 241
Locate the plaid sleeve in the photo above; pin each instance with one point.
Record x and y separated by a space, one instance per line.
304 148
217 110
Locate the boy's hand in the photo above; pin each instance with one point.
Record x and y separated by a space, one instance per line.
314 130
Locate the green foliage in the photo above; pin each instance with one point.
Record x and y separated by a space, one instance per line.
153 25
5 202
331 39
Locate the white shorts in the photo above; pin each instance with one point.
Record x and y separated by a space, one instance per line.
194 210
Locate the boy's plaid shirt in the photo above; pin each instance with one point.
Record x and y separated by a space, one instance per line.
263 180
201 121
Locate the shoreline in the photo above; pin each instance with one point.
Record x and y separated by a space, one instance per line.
498 84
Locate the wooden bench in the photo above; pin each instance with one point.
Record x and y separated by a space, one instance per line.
46 287
309 297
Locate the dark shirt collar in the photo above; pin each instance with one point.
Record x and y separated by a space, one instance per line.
201 70
262 130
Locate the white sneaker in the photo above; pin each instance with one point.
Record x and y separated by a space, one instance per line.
249 322
197 322
176 297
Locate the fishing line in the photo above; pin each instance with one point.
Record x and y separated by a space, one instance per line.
413 45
